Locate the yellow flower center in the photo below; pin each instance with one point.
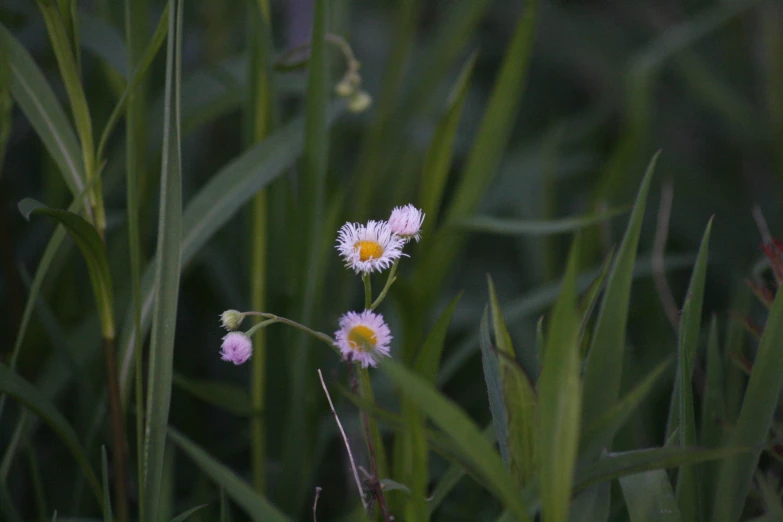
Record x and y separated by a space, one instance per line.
362 338
368 249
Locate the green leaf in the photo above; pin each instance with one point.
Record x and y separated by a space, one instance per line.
497 403
519 399
437 162
428 359
467 437
688 484
230 397
773 506
254 504
186 514
490 225
560 400
390 485
212 207
39 103
107 514
93 251
617 465
649 497
592 505
615 418
603 371
31 398
713 414
755 419
167 273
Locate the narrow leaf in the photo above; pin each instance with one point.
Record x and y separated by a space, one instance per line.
31 398
560 399
186 514
167 272
107 513
452 420
604 363
649 497
490 225
254 504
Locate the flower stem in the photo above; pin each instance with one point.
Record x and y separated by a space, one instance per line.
272 319
367 292
389 281
372 436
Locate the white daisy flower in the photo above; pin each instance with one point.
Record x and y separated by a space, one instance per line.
369 248
406 222
363 337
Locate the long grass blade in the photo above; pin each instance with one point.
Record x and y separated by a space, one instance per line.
560 399
30 397
604 363
490 225
688 484
649 497
167 274
461 429
255 505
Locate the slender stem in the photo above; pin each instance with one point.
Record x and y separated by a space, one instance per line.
370 433
389 281
272 319
260 109
118 431
367 292
347 447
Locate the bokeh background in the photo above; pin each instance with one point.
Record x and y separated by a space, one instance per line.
609 83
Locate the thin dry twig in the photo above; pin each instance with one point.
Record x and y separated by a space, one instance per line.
766 236
659 246
347 446
318 488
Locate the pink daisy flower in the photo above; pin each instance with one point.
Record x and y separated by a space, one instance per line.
237 348
363 337
369 248
406 222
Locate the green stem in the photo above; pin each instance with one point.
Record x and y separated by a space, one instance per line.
389 281
367 292
260 108
272 319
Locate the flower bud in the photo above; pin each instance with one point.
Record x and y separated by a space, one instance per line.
359 101
231 319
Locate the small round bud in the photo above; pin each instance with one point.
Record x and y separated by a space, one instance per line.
237 348
231 319
344 88
359 102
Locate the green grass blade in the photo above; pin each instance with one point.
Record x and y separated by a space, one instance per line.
107 513
490 225
461 429
560 400
649 497
536 301
497 122
229 396
605 426
254 504
68 62
519 399
758 409
182 517
688 484
93 251
497 403
212 207
298 451
617 465
428 359
604 363
437 162
27 394
592 505
713 414
773 505
39 103
167 273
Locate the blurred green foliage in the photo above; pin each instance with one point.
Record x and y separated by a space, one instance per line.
516 126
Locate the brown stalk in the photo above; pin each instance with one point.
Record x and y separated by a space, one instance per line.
120 449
